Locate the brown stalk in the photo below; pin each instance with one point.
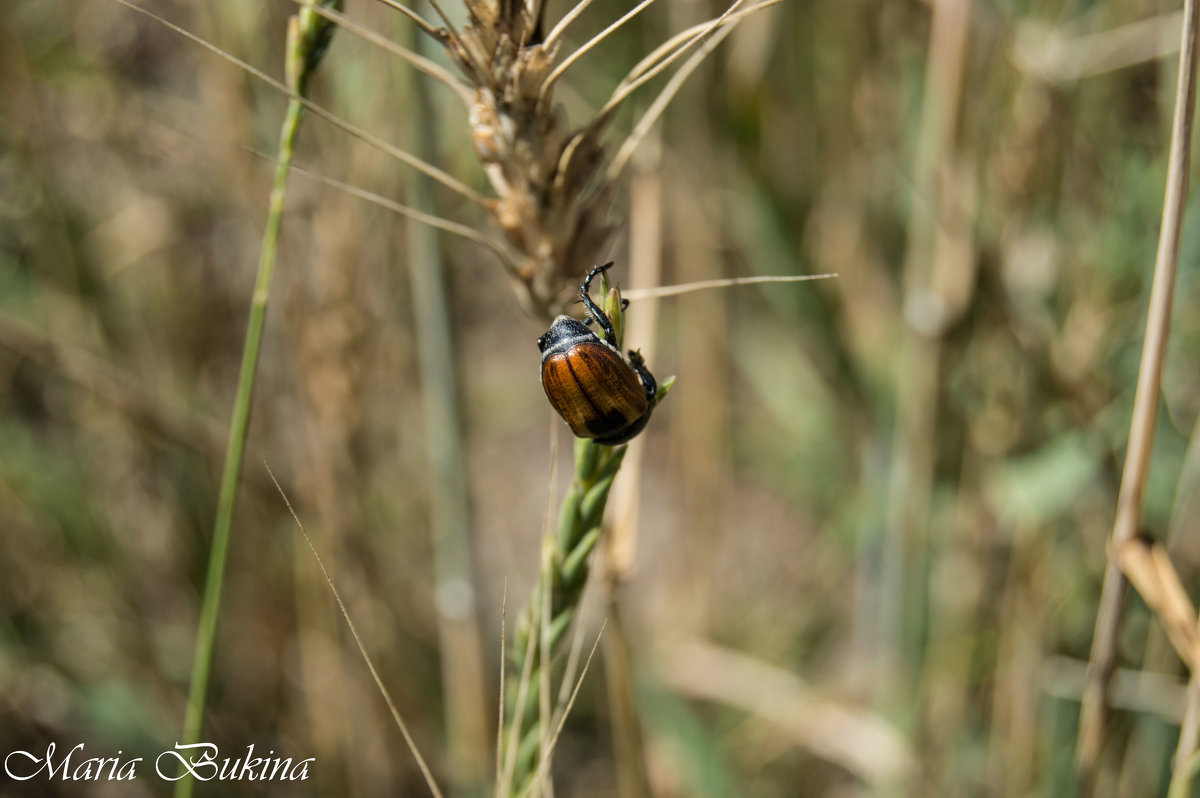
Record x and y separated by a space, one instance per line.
620 546
1145 412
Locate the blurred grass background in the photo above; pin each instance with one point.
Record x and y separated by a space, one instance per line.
908 526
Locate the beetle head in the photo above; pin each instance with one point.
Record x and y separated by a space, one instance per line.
562 330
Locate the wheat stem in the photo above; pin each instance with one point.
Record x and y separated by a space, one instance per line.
543 624
552 608
308 38
235 449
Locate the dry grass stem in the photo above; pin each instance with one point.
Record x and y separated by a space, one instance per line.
633 779
620 542
645 268
1145 408
451 521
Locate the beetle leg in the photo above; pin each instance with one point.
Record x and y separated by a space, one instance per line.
587 281
594 311
648 381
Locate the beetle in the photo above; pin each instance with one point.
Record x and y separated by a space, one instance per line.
598 392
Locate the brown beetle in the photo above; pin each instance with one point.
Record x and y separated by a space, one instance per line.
593 387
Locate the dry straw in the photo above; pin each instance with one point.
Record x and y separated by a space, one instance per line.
1124 563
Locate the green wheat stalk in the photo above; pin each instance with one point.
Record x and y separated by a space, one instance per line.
543 625
309 35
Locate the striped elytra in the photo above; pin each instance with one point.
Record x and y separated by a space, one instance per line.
594 390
